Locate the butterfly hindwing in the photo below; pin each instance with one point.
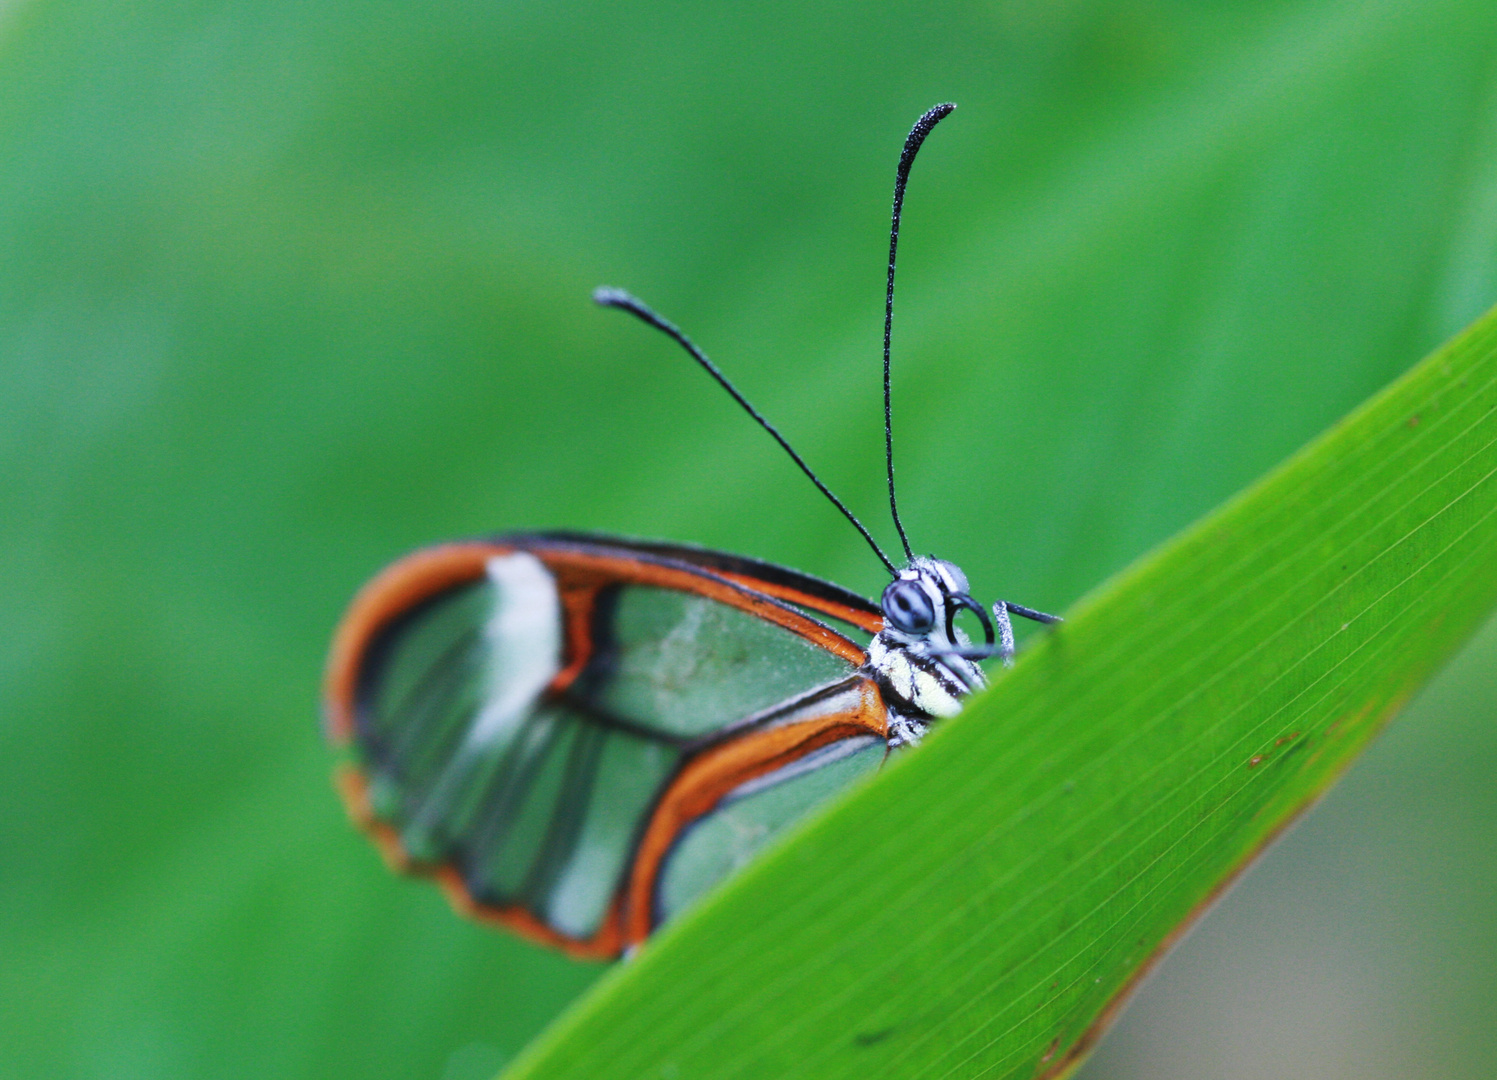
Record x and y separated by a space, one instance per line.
579 736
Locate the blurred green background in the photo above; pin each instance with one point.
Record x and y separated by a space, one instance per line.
288 288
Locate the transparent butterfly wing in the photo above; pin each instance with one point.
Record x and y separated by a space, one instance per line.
523 718
753 813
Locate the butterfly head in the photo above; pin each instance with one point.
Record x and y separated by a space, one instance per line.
921 604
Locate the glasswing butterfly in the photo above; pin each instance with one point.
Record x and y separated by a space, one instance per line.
579 735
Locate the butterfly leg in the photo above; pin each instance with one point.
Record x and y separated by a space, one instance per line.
1005 632
1005 627
905 731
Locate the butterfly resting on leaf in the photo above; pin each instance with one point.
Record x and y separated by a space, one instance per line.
579 735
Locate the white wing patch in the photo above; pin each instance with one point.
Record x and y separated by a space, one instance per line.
523 639
522 654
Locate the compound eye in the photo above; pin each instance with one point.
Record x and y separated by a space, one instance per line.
908 608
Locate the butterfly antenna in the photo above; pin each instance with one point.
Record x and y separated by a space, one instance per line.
917 136
618 298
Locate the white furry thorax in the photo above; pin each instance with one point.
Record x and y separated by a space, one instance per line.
917 683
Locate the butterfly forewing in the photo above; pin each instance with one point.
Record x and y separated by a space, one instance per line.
682 665
528 717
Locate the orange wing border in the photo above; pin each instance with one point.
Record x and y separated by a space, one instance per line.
704 780
583 566
781 582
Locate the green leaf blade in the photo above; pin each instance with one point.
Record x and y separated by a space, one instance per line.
983 908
